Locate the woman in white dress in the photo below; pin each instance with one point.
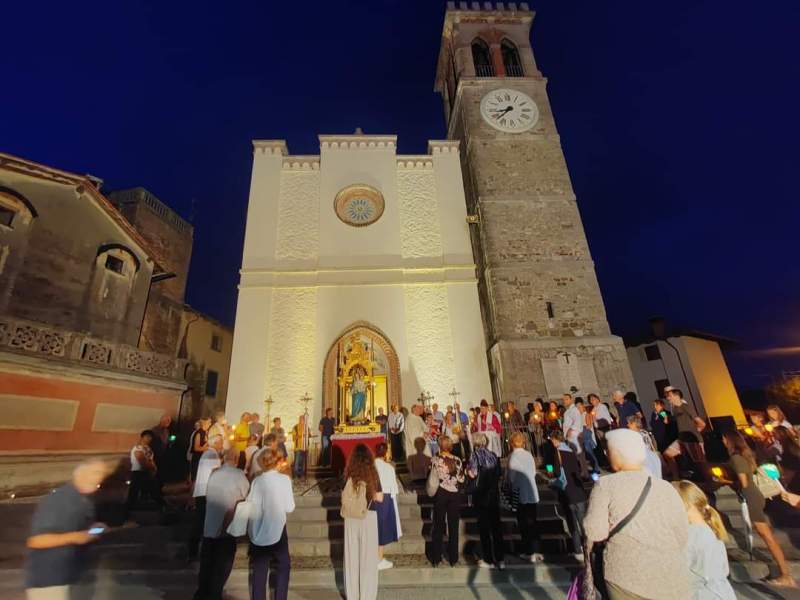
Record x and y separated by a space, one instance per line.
705 550
361 532
388 532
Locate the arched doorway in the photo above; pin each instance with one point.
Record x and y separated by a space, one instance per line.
386 366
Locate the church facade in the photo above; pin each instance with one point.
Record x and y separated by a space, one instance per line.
357 269
465 268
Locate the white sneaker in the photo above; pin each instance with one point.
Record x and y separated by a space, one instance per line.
484 565
579 556
385 564
536 557
501 566
525 557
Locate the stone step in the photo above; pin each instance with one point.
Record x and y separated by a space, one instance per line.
334 530
407 510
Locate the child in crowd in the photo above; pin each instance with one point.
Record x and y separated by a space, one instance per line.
705 550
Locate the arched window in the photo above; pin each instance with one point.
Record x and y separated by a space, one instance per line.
482 59
15 210
511 60
117 259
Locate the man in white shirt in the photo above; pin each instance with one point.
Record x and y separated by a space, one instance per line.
143 472
209 461
602 416
270 500
226 487
396 425
573 423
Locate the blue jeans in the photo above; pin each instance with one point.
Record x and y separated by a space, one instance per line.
299 463
592 458
325 456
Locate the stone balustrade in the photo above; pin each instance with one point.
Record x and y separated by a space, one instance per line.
43 341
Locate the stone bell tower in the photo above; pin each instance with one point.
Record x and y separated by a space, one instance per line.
543 313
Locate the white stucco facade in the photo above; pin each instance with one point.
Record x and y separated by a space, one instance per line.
701 373
307 276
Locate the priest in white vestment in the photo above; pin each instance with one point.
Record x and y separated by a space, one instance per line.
489 424
415 427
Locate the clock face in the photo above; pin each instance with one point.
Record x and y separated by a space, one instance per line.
509 110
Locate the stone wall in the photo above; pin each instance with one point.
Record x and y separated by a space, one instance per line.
53 268
547 329
169 237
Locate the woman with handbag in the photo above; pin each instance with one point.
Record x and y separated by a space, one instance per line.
362 488
743 464
484 477
641 522
446 475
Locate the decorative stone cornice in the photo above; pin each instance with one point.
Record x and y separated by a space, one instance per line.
270 147
56 344
358 141
502 7
443 147
414 162
301 163
349 277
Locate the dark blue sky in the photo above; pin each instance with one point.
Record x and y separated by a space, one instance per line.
678 120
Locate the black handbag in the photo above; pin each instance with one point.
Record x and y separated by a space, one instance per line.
594 568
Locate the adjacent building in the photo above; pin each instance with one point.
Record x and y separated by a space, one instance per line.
691 361
206 344
170 326
74 282
170 238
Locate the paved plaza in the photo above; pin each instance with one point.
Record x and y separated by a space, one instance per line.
441 584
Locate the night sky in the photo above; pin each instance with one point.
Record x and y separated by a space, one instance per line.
678 120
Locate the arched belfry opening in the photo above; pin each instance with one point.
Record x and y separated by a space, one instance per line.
482 58
511 60
361 374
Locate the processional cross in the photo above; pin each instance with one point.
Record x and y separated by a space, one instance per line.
454 395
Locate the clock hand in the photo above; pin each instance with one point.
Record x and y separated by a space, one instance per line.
500 114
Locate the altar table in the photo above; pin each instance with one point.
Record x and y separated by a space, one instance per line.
342 445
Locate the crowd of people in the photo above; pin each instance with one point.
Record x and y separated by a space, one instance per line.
630 518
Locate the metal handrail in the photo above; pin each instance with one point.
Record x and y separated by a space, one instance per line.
484 70
514 71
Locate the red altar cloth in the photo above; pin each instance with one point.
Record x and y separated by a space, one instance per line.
342 445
